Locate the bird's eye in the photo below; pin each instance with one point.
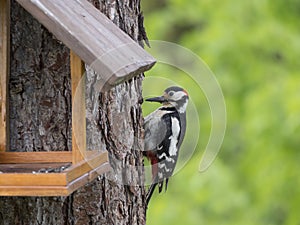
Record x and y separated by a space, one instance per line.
171 93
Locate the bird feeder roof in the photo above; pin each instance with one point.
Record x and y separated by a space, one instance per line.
93 37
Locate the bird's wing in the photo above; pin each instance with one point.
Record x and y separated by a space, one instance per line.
155 130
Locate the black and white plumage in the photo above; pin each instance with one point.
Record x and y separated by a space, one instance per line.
164 132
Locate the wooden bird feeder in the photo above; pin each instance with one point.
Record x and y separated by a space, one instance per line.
93 39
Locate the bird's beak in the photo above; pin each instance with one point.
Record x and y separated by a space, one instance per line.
160 99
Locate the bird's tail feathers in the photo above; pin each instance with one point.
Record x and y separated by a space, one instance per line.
152 188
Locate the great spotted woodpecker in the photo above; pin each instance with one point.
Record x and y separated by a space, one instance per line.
164 133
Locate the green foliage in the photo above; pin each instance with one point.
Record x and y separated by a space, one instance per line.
253 48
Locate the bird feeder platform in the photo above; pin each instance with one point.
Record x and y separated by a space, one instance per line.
47 173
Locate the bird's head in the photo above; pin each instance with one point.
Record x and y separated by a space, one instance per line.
173 97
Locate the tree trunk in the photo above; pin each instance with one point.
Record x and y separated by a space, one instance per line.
40 120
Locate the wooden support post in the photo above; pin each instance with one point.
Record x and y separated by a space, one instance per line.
4 71
78 109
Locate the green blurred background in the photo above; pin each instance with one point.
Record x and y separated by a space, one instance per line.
253 48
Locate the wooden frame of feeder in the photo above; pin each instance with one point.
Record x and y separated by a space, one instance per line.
20 171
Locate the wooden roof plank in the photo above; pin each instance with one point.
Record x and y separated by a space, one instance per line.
92 36
118 36
97 30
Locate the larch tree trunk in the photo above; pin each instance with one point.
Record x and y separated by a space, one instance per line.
40 120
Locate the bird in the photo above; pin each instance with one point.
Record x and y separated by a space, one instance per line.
164 133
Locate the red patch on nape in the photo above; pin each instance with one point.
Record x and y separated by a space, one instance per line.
185 92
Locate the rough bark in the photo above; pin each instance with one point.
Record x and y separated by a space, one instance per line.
40 105
40 120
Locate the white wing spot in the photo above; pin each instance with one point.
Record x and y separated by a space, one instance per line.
164 166
162 155
174 137
170 159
